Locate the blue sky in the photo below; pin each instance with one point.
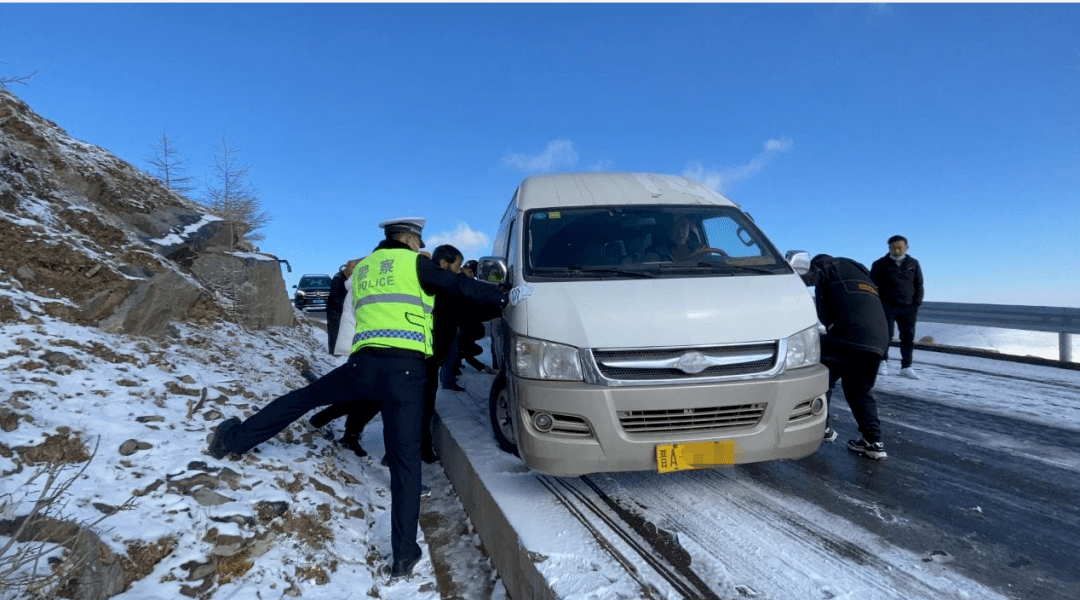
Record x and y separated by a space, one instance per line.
834 125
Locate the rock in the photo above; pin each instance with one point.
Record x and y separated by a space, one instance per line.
150 419
56 358
227 545
128 447
151 305
208 497
107 509
268 511
250 284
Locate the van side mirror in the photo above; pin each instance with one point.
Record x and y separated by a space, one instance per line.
492 269
799 260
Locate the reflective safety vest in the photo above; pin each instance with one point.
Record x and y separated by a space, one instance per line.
392 310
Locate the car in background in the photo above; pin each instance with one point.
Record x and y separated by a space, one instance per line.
312 292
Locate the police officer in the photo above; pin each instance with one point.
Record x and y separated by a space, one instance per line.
855 338
394 294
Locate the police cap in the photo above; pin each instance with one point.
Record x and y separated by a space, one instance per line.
414 225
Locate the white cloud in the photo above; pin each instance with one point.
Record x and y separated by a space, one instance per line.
602 165
721 179
558 154
780 145
472 243
712 178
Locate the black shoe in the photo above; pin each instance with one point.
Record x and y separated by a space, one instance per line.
384 462
353 443
216 446
401 568
875 451
428 455
455 387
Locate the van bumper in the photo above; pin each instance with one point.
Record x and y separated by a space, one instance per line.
589 438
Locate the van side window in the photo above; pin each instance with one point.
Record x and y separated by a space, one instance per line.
512 247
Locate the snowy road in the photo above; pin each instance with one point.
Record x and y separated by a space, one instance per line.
976 500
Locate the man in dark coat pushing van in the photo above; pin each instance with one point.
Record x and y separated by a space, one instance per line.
856 335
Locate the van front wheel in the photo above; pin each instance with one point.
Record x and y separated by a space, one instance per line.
502 416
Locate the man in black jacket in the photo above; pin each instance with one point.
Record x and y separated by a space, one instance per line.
334 305
855 338
899 279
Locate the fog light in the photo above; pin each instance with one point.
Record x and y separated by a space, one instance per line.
817 405
543 422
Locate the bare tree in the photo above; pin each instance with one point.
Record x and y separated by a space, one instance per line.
5 81
233 198
170 167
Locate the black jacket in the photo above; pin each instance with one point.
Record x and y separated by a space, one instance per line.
451 313
899 284
462 297
335 302
847 304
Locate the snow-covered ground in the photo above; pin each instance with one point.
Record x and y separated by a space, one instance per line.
1041 344
147 407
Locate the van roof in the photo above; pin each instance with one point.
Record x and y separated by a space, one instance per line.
602 189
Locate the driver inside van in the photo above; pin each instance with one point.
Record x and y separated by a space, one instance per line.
682 244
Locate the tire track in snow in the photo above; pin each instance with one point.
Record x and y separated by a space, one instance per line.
752 543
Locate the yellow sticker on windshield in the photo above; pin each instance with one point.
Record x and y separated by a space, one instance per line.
554 215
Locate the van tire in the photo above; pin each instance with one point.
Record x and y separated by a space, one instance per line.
499 409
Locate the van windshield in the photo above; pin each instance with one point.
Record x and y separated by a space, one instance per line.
646 241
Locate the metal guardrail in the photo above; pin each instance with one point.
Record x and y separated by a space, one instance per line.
1063 321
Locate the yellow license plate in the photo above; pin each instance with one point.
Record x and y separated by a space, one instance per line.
697 455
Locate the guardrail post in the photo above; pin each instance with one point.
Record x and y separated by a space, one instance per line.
1065 341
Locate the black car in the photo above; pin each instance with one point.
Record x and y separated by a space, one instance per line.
312 292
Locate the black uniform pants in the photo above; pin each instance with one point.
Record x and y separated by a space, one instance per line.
395 381
857 372
904 318
360 413
431 390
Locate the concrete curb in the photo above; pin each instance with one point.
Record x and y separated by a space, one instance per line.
522 579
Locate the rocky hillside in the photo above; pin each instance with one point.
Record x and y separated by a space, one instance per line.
93 240
131 324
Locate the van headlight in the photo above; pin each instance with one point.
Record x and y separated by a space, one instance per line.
804 349
537 359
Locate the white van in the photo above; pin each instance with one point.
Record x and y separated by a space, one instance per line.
663 330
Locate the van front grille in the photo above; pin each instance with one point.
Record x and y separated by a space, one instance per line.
684 420
665 364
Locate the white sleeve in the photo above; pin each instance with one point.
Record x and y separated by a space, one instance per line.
347 328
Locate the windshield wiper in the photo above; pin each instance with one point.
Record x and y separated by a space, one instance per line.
715 266
591 270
